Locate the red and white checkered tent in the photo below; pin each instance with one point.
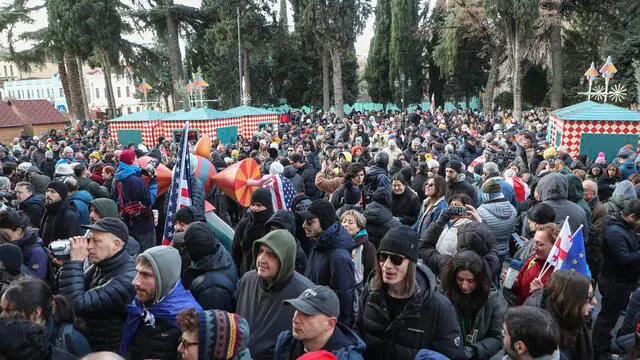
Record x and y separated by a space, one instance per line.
253 118
204 120
603 127
146 125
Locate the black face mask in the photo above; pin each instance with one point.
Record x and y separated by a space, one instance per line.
260 217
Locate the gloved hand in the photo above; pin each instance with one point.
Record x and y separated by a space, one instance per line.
470 352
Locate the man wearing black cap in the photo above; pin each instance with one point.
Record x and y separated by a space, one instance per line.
329 262
250 229
315 327
60 221
99 294
456 183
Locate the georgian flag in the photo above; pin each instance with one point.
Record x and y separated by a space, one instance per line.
561 247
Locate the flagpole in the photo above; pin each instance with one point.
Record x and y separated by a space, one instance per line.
547 264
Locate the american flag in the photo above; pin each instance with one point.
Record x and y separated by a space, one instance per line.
180 192
282 192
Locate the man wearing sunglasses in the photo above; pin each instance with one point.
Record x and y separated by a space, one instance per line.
329 262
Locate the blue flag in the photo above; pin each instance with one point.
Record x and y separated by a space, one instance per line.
576 259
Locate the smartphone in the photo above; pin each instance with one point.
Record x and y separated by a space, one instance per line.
459 210
519 241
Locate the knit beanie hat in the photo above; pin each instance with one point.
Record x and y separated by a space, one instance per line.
600 159
352 194
491 191
10 258
184 215
59 187
401 240
455 165
318 355
625 153
262 196
95 155
127 157
200 240
105 208
166 264
222 335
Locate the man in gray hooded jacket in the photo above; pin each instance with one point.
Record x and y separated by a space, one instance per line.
554 191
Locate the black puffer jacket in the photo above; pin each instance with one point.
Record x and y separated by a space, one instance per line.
60 221
379 216
406 206
427 320
158 342
99 297
212 280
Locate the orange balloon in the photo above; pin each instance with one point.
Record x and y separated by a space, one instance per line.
233 180
203 146
162 173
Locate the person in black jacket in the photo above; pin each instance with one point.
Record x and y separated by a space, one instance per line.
250 229
308 174
419 179
405 205
401 311
456 182
379 216
99 294
620 272
212 275
29 203
60 220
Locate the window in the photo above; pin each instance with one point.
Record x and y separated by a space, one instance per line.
119 92
137 108
28 94
38 93
129 109
5 71
128 92
61 92
97 93
11 69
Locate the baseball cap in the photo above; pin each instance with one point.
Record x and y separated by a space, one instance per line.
110 225
317 300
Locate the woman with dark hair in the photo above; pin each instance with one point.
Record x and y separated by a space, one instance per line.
401 311
465 282
607 182
406 204
530 278
569 297
354 177
16 225
435 188
31 298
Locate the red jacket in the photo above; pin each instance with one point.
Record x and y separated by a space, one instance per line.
529 271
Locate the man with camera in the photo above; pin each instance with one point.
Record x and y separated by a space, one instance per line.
99 294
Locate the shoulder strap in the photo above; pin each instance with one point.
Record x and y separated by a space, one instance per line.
119 190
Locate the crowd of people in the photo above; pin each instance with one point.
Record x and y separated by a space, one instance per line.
396 245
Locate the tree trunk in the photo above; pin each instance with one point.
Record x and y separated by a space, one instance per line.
517 78
326 97
336 58
166 104
175 60
555 38
106 71
74 88
246 72
487 102
83 90
64 79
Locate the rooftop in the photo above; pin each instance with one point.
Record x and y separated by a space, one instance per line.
28 112
593 111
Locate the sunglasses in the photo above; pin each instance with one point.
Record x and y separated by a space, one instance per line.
429 184
395 259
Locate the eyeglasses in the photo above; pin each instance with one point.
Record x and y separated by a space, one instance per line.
395 259
185 344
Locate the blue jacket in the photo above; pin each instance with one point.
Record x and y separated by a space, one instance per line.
212 280
621 250
426 218
344 344
329 263
33 253
135 190
33 207
64 161
382 176
627 168
80 200
505 188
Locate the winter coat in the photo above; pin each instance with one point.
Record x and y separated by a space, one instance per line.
99 296
439 243
95 189
530 270
379 221
134 190
212 280
499 216
34 255
606 185
429 214
344 344
250 228
623 192
326 185
621 250
485 333
381 177
594 246
33 207
39 183
66 337
627 168
427 320
80 201
469 153
406 206
308 174
505 188
261 303
632 315
461 186
337 197
330 264
553 189
417 184
60 221
369 259
291 174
